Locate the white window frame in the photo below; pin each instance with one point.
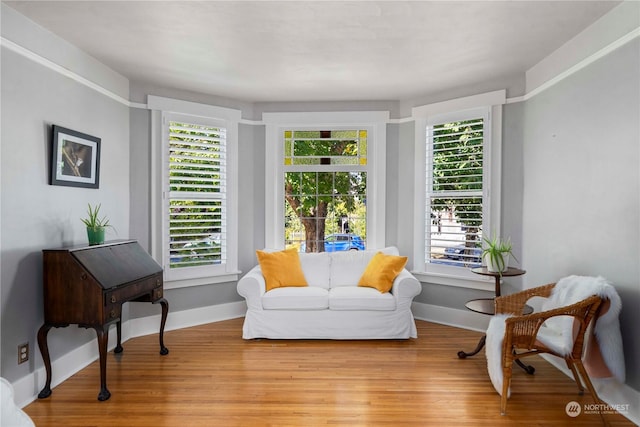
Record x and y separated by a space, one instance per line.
164 110
375 122
489 107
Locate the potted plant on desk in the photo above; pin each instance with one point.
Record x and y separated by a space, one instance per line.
496 253
96 226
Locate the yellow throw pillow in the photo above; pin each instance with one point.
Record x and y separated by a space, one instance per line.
382 271
281 269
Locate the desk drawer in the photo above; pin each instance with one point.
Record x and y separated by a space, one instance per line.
151 286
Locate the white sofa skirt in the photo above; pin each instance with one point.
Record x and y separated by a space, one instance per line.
330 324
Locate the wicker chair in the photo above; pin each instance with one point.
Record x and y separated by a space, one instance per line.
521 334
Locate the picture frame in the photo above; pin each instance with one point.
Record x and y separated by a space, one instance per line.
75 158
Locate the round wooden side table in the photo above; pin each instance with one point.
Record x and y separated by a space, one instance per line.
487 306
509 272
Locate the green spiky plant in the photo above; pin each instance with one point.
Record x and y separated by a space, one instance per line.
93 219
95 225
495 250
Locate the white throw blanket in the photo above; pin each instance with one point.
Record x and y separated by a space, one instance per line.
557 333
493 350
10 414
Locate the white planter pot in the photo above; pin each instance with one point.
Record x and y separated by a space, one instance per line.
495 268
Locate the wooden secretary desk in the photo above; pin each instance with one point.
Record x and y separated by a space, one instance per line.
87 285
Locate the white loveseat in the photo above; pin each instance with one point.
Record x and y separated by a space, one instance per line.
332 306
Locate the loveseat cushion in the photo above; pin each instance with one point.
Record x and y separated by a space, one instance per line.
316 268
296 298
360 298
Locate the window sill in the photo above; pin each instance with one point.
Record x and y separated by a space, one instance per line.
202 281
465 279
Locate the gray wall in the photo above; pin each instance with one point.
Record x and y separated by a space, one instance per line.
140 196
581 204
251 231
36 215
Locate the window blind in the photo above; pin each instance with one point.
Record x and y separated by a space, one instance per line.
197 195
455 176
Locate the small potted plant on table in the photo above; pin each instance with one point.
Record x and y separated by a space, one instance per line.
496 253
96 226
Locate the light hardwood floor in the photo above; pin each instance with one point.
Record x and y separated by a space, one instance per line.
212 377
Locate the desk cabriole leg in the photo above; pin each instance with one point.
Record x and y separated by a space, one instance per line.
44 351
165 311
103 336
118 348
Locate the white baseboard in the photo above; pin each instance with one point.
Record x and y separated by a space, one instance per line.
464 319
27 388
187 318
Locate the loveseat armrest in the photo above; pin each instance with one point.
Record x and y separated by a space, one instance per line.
405 287
252 286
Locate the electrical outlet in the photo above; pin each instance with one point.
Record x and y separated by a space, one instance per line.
23 353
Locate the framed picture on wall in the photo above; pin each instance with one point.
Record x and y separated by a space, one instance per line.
75 158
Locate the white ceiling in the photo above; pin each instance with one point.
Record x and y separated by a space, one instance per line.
318 50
